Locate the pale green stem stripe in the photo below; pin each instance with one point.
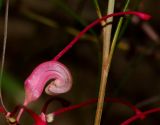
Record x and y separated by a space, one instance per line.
4 51
114 41
98 9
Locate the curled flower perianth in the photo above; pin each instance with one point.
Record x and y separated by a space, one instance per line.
56 72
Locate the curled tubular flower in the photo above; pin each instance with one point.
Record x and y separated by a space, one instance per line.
61 81
51 70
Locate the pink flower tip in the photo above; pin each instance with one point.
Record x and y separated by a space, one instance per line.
144 16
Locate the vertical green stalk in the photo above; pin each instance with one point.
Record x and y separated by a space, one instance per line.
115 38
107 30
4 51
98 9
104 74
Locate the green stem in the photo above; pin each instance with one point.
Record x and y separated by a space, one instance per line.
98 9
115 38
107 57
105 69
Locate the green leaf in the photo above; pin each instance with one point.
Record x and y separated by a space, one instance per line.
12 87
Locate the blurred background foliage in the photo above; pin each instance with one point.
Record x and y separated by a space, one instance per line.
39 29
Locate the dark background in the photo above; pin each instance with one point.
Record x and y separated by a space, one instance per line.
39 29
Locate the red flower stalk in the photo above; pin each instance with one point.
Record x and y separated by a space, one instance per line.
50 117
141 15
139 114
134 108
135 117
2 110
10 116
64 103
37 119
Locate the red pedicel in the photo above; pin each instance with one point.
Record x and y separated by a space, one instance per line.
141 15
135 117
37 119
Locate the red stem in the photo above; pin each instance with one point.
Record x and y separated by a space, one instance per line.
135 109
135 117
37 119
21 111
2 110
64 103
143 16
138 115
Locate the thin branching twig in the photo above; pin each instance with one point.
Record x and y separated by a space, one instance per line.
4 51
